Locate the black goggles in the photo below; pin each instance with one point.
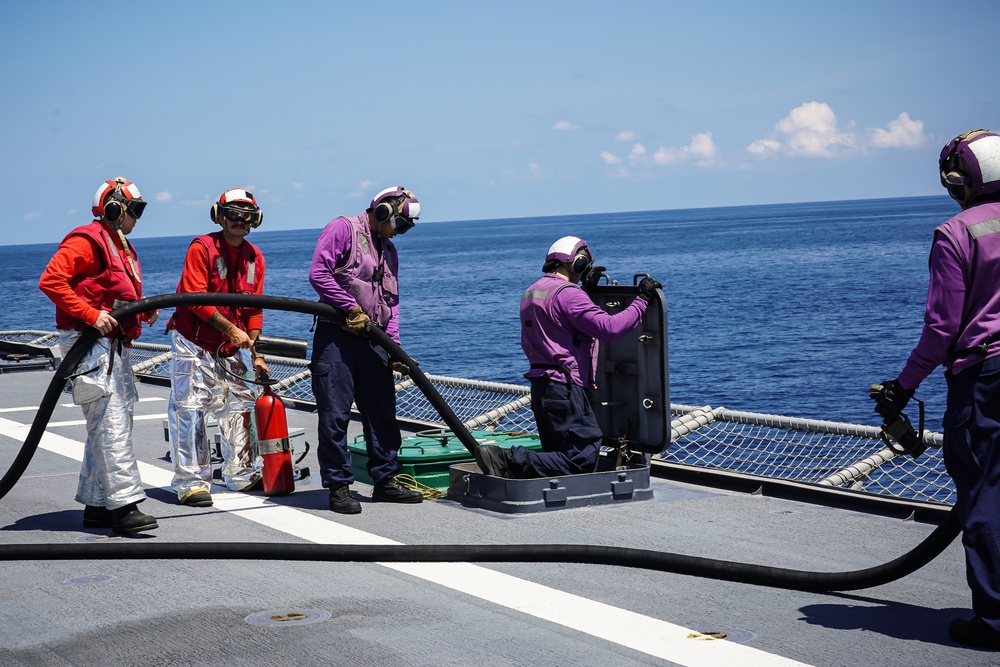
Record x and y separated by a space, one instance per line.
234 214
135 207
402 224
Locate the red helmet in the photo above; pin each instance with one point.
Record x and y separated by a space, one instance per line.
114 198
227 205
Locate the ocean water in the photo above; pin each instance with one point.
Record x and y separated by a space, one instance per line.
791 309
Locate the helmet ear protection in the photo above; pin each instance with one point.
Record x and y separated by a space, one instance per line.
582 262
383 212
232 196
114 208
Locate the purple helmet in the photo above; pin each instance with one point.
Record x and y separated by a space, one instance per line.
970 166
569 250
409 207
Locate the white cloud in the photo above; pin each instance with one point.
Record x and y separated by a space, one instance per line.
34 215
363 187
637 154
297 186
566 126
627 135
764 147
163 196
71 212
903 132
666 156
535 170
701 149
809 130
610 158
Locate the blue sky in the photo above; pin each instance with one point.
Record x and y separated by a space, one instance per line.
484 110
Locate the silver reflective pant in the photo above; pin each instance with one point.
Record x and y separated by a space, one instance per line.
109 476
200 386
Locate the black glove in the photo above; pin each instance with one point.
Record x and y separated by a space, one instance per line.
890 398
593 276
648 287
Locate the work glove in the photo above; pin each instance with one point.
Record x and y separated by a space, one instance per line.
402 368
648 287
357 322
890 398
593 276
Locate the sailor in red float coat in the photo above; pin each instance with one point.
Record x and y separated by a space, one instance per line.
212 351
93 268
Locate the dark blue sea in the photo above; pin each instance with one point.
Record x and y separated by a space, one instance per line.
791 309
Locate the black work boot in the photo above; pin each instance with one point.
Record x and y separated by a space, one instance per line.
974 632
96 517
494 460
197 498
391 491
342 502
129 520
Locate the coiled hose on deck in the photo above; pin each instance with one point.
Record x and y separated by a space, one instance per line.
759 575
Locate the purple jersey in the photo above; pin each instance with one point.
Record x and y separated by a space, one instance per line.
560 327
354 267
963 299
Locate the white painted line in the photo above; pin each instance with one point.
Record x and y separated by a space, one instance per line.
83 422
33 408
651 636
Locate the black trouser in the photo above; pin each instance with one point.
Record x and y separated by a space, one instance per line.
567 427
345 368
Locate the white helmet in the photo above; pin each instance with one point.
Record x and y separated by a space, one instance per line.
569 250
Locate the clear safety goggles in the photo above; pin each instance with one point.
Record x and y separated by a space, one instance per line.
236 214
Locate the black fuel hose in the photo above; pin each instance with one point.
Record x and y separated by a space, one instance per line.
759 575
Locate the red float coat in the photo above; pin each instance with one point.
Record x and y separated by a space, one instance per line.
92 269
212 265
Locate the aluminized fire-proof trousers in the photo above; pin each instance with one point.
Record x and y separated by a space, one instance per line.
200 386
109 476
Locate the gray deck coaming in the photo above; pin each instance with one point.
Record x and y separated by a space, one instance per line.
378 610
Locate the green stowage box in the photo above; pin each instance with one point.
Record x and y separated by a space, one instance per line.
428 455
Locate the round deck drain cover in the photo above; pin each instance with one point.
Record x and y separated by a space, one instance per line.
287 617
90 579
735 635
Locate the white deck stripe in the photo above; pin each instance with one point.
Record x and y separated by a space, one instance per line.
651 636
33 408
83 422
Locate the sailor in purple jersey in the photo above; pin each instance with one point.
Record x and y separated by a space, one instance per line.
354 270
560 327
962 333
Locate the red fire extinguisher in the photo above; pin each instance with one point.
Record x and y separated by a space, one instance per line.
275 448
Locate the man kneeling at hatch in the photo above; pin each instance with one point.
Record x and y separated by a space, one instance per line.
560 327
